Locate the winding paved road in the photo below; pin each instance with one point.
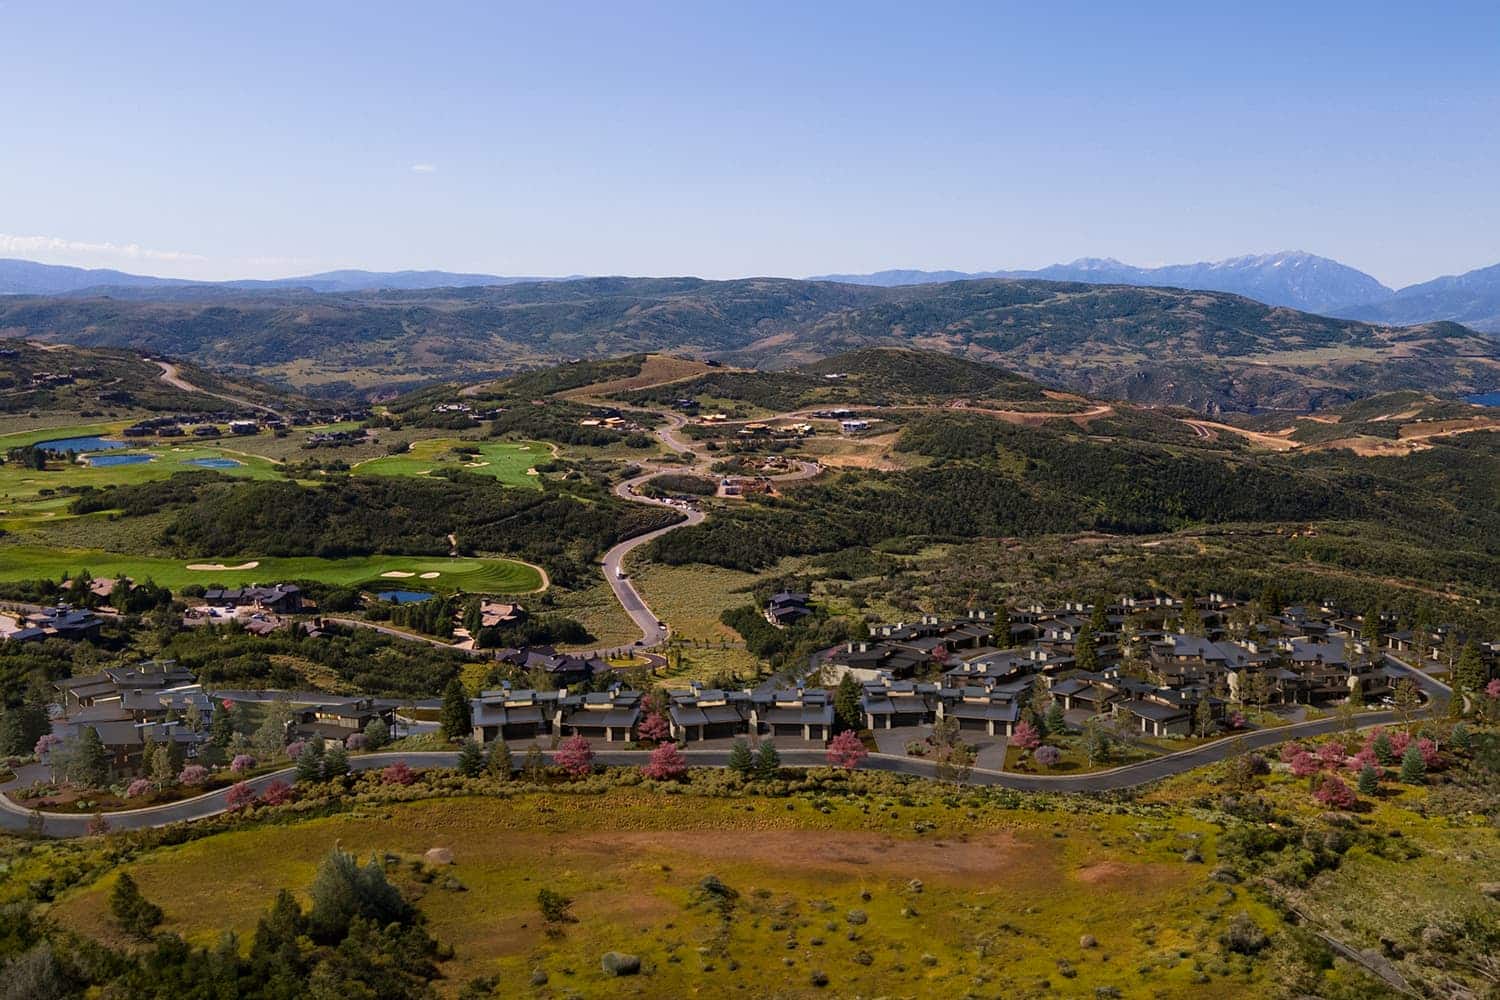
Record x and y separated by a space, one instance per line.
13 817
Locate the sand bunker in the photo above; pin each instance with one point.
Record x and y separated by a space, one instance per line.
221 568
397 574
431 575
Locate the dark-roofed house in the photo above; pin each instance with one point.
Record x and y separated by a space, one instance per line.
335 720
607 715
787 608
979 709
560 669
1160 713
514 715
60 622
802 714
708 714
889 704
282 598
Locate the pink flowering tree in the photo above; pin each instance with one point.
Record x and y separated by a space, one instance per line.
576 756
138 787
1429 751
193 776
1237 720
1047 756
277 793
846 751
666 764
398 774
1025 736
294 749
1400 740
1492 690
242 762
1332 755
1304 764
1290 751
241 796
357 741
46 744
1333 793
654 728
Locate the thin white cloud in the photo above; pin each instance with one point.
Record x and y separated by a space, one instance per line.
54 246
424 168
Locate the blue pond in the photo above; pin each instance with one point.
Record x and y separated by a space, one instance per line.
215 463
1486 399
403 596
80 444
98 461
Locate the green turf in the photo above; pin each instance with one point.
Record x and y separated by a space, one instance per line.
497 576
506 461
20 439
18 484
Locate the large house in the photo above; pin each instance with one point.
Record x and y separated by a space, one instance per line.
60 622
708 713
514 716
281 598
607 715
799 714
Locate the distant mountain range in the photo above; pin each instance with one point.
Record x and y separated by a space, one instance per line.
25 277
1293 279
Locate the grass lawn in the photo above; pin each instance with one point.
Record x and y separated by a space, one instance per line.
19 485
477 575
690 599
1005 894
507 461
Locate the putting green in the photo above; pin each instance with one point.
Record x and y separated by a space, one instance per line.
507 461
477 575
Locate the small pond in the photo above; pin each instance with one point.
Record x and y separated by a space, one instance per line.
80 444
100 461
403 596
1486 399
214 463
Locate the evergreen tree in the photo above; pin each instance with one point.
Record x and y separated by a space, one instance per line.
1370 628
1003 638
455 720
1369 781
1381 745
1271 601
310 762
1469 674
132 911
1460 739
336 762
470 759
1099 618
846 699
221 729
1413 767
377 733
1191 621
89 765
1056 723
501 763
1084 655
767 762
741 760
22 726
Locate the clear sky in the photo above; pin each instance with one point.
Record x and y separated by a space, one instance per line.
262 139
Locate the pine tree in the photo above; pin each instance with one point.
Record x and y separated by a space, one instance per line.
1369 781
1084 655
1468 676
1460 739
1003 638
501 763
1413 767
1381 745
221 729
310 762
336 762
132 911
470 759
1056 722
377 733
455 720
741 760
767 762
1370 628
846 698
90 763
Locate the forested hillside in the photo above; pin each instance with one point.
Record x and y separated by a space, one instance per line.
1219 351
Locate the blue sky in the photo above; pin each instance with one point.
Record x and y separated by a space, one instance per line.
278 138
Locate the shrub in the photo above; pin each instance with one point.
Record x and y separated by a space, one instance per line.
1289 751
133 912
1332 792
1243 935
377 734
1025 736
294 749
654 727
1047 756
398 774
666 763
357 742
846 751
138 787
1304 764
554 906
576 756
1429 751
193 775
240 796
242 762
741 760
277 793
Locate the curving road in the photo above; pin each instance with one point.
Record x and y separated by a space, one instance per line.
13 817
